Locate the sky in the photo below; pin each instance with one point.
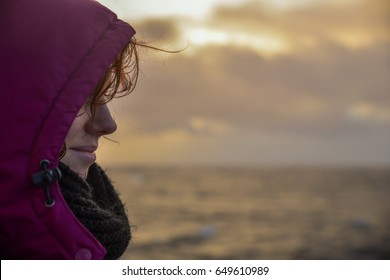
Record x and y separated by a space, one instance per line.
298 82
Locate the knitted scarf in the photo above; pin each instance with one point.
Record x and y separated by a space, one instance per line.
97 206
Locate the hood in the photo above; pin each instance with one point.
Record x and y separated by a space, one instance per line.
52 55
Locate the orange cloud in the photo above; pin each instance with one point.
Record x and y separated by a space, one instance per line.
324 99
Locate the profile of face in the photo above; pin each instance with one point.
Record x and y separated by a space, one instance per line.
83 137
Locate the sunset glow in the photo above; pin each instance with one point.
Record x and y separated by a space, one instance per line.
263 44
258 83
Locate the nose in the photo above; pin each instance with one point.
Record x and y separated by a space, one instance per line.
102 122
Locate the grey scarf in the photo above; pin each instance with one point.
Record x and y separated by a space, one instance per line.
97 206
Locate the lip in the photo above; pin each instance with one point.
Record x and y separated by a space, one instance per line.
85 153
87 149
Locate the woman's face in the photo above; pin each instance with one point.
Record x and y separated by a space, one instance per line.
83 136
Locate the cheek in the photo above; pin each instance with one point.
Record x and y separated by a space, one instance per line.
77 128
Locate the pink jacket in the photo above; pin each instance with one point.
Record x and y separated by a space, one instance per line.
52 55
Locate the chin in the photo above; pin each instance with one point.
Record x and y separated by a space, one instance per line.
82 172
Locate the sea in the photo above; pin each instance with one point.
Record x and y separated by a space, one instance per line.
270 213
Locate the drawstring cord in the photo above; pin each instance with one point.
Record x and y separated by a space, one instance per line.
45 178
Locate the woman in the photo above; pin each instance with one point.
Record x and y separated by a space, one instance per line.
61 61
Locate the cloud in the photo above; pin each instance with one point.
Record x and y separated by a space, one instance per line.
364 111
244 89
356 24
159 30
326 98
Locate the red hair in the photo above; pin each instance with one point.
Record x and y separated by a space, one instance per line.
120 79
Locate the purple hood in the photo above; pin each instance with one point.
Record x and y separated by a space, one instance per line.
52 55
